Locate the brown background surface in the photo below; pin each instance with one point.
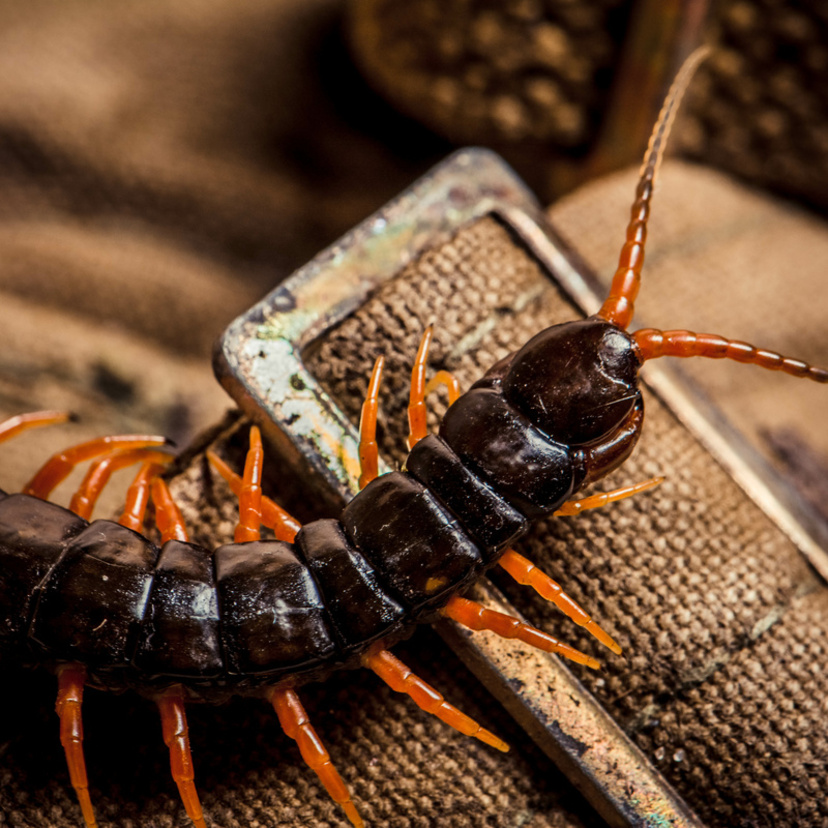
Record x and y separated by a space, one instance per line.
162 165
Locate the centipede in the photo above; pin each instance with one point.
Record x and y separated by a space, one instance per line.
99 604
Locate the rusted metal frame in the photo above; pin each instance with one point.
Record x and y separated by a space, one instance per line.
259 361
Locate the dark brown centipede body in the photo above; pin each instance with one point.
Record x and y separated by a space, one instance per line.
247 614
102 605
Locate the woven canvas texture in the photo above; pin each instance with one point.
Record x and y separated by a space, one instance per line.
163 165
707 596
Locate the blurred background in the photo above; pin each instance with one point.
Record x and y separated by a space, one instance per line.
164 164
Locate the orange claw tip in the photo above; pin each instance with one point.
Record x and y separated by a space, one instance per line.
607 640
352 814
615 648
490 739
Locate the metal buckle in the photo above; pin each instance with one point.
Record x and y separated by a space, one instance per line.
260 362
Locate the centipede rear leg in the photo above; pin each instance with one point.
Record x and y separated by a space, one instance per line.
109 454
61 465
297 726
71 679
33 419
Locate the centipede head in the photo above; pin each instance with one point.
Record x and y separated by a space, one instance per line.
619 306
578 382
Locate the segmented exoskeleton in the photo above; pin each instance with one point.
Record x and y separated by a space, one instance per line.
102 605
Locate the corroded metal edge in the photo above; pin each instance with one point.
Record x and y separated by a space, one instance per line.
259 362
568 724
259 358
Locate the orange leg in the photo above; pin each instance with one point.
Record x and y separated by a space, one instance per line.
295 723
526 573
416 401
400 679
476 617
417 412
250 497
59 466
368 450
14 425
575 507
284 525
84 499
653 343
446 379
69 698
168 516
177 739
137 497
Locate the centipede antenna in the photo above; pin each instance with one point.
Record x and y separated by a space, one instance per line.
620 303
368 449
653 343
71 678
58 467
168 516
283 524
526 573
402 680
297 726
137 497
477 617
34 419
177 738
84 499
598 501
249 527
418 427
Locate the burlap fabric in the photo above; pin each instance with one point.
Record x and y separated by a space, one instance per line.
758 107
711 600
208 162
500 72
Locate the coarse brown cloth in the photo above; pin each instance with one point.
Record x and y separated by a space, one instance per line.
162 166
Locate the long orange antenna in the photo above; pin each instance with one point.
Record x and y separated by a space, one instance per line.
620 304
653 343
